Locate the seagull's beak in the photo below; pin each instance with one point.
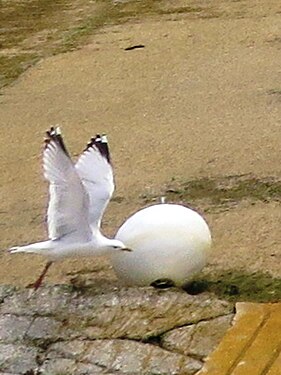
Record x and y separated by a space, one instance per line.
126 249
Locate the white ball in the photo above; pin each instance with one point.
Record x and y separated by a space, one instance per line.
170 242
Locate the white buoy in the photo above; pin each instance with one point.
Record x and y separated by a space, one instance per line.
170 242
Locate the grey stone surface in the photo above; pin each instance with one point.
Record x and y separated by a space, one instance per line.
59 330
6 290
90 369
45 302
13 328
208 335
58 366
132 313
17 358
197 339
69 349
45 328
130 357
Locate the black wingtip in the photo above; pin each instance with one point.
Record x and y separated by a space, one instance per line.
100 142
54 134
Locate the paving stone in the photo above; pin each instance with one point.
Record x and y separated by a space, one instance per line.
208 335
17 358
99 330
252 346
61 366
46 301
65 356
44 328
135 313
13 328
139 313
132 357
70 349
197 339
90 369
5 291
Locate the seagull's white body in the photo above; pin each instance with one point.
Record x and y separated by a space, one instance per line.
170 242
79 194
97 245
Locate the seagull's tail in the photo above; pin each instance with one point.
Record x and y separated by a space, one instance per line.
37 248
21 249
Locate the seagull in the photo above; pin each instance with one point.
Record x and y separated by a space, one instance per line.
78 196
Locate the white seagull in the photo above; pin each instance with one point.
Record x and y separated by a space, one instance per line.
79 194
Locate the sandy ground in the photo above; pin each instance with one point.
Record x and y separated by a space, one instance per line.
203 98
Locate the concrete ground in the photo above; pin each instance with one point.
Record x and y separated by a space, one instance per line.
201 99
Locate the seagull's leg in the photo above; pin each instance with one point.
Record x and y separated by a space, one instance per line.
38 282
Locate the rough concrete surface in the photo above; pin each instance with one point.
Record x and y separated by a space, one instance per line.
201 99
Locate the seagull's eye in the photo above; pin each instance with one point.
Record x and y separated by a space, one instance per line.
116 247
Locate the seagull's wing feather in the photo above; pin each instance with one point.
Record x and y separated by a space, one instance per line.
95 170
69 203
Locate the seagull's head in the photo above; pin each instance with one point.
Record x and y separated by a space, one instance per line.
116 245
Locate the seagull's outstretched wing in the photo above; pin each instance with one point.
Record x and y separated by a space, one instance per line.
69 203
95 170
